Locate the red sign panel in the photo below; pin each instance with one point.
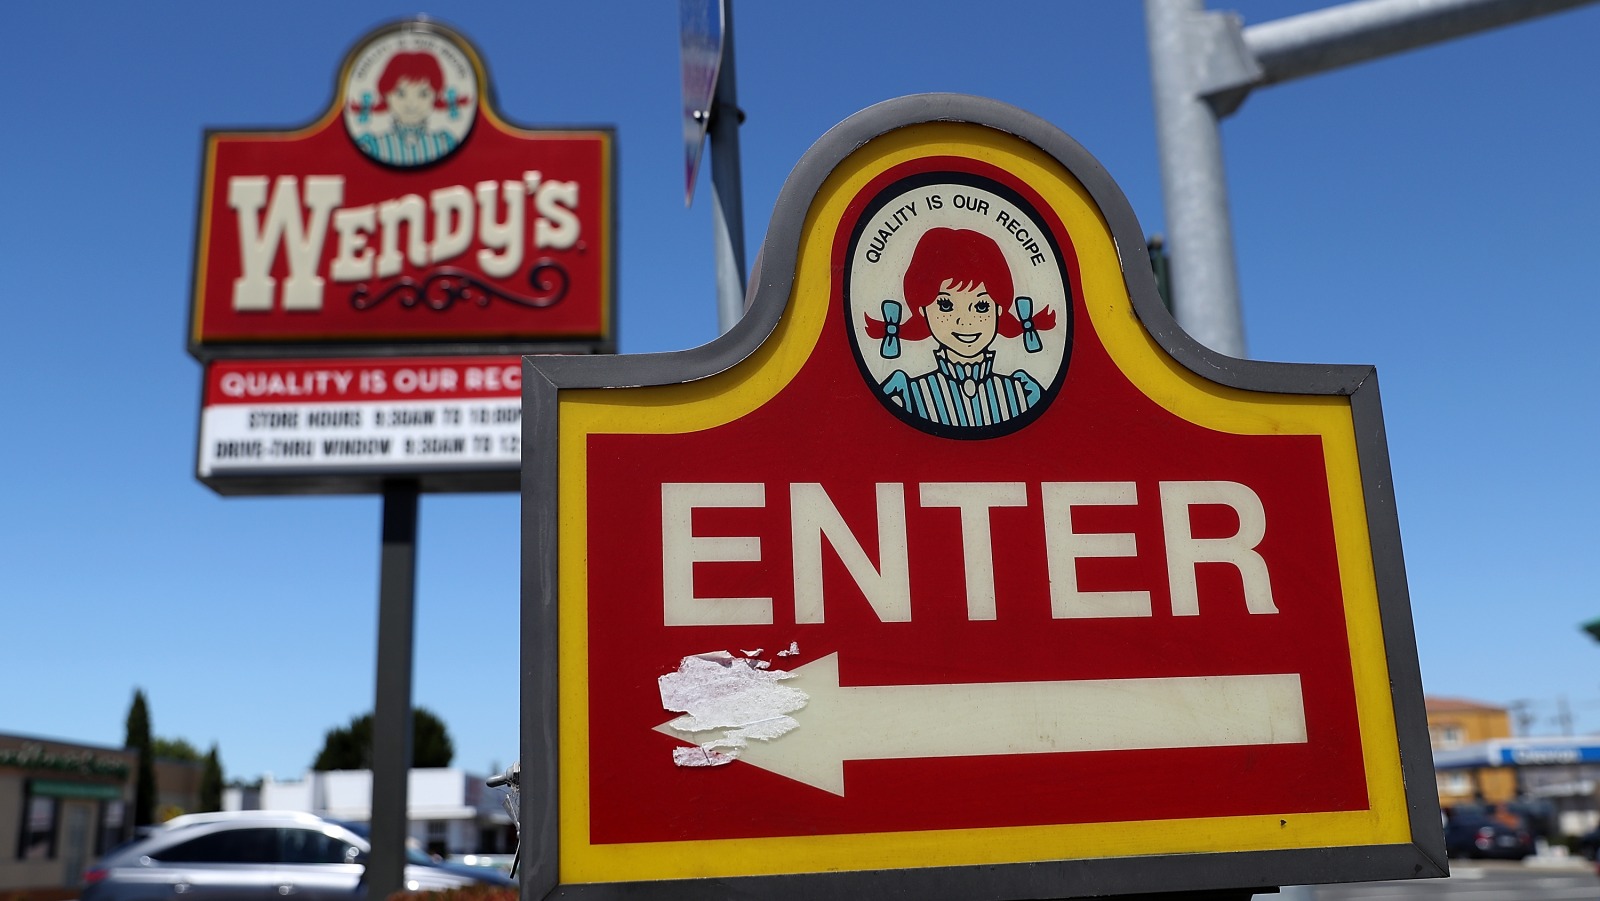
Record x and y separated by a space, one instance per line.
409 213
1042 557
960 565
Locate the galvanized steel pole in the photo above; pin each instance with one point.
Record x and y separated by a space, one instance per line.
1203 65
1205 285
1355 32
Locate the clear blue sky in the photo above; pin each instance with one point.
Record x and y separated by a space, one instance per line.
1433 214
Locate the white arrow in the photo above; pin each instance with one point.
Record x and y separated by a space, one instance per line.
890 722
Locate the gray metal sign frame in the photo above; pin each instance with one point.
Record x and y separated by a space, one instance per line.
544 378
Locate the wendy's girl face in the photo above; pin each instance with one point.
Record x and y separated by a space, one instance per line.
411 101
963 318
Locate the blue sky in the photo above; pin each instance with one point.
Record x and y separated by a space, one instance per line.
1432 214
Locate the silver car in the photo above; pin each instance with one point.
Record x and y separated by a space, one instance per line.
250 856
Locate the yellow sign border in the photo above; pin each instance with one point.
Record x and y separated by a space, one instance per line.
726 396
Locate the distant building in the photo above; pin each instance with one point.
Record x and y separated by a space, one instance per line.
177 787
1552 779
1454 723
62 804
448 811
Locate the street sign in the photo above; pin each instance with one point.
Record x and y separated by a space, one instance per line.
956 570
1559 750
700 24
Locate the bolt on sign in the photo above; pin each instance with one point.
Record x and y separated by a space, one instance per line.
957 570
410 222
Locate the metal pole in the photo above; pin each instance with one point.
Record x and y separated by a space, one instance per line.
727 194
391 713
1342 35
1205 282
1202 66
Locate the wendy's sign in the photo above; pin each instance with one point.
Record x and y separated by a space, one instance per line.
956 570
411 213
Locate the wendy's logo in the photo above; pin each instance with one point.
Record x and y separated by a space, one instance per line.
959 305
410 97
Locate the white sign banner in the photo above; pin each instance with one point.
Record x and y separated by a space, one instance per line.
335 416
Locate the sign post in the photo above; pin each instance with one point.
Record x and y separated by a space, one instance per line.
900 587
391 712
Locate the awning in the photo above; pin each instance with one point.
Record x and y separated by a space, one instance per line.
1561 751
57 788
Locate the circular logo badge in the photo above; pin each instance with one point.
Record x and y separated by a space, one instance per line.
959 305
411 97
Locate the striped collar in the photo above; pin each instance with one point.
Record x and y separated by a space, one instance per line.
417 133
959 372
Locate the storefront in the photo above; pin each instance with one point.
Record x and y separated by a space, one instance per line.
1559 772
61 805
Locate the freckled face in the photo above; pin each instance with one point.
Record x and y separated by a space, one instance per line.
963 318
410 102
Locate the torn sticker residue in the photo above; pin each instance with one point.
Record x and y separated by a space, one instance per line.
792 651
736 697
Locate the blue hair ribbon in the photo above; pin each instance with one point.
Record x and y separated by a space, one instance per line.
890 348
1030 334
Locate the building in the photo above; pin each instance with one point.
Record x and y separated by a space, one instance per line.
1552 779
177 787
1454 723
62 804
449 811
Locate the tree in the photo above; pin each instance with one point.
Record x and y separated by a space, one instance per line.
350 747
211 781
175 749
138 740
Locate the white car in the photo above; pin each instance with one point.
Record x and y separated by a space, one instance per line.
247 856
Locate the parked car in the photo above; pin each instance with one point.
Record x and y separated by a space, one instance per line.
501 862
1588 845
1484 837
248 856
470 866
